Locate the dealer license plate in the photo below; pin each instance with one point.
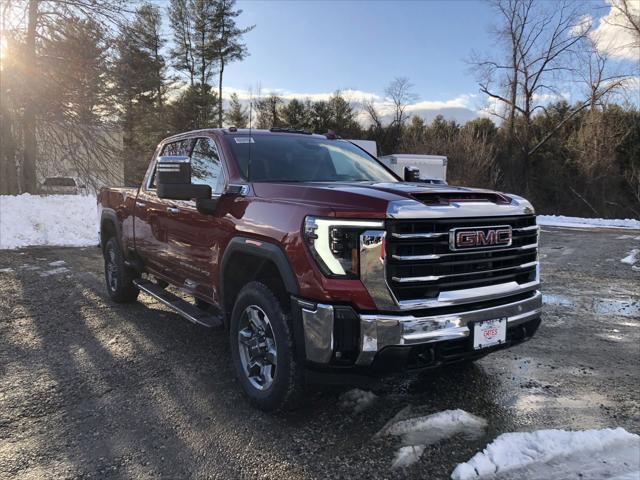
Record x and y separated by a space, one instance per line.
488 333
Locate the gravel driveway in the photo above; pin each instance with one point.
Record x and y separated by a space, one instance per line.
93 389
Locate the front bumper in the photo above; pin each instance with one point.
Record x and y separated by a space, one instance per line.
337 335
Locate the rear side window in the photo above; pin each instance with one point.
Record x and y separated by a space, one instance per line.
205 165
180 148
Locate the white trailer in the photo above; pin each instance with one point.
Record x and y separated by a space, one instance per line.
432 168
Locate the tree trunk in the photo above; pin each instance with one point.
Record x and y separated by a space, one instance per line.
220 92
29 183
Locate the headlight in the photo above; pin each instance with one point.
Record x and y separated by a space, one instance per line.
335 243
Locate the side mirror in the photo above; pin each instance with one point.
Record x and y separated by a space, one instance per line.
411 174
173 180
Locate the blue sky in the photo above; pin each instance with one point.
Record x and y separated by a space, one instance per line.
311 48
319 46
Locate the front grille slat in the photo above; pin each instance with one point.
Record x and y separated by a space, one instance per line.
420 263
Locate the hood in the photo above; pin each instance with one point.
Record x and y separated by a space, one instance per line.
379 200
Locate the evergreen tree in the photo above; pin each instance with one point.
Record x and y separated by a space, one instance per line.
228 46
194 53
268 111
76 67
141 82
294 114
236 114
343 121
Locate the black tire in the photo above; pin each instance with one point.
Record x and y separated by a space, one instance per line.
118 277
287 379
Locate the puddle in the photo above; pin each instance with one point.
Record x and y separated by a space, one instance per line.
624 308
560 300
599 306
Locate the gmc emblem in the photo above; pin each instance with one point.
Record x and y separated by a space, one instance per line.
479 237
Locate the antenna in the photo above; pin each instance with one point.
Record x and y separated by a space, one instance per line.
250 136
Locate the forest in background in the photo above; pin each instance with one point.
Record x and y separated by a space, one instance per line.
86 66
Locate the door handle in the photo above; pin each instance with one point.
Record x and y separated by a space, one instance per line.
141 204
173 210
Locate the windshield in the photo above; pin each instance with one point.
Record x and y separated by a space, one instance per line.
302 158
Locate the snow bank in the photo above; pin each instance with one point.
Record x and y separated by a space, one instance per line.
356 400
576 222
528 455
62 220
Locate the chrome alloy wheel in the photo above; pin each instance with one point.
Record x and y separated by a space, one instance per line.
257 347
111 268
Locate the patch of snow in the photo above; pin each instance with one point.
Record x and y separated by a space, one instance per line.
430 429
57 263
61 220
418 431
6 270
632 258
54 271
590 454
627 237
357 400
577 222
408 455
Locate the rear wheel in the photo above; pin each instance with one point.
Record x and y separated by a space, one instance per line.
262 349
118 277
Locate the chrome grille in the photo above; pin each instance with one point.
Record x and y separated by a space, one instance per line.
420 263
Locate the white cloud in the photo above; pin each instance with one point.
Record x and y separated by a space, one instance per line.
460 108
614 39
349 94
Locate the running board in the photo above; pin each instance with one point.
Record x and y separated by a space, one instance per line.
178 305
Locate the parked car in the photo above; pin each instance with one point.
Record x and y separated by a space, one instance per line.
318 260
62 186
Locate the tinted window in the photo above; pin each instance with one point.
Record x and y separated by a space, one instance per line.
302 158
180 148
205 165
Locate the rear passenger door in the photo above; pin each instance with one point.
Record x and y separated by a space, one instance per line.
194 238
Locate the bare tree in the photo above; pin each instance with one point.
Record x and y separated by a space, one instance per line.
627 18
47 17
400 93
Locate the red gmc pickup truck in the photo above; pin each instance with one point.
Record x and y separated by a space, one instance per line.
318 260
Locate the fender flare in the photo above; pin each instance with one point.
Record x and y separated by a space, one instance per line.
261 249
110 215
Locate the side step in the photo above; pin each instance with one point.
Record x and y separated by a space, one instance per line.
178 305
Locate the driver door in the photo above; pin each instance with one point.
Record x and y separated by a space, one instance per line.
194 238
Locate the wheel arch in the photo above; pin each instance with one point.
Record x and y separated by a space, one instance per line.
245 260
110 227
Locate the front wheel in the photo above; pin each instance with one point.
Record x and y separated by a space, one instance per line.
118 277
262 349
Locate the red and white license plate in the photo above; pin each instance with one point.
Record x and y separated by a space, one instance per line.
489 333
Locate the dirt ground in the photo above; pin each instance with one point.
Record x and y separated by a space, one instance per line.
93 389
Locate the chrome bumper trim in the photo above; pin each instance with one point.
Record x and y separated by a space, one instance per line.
318 331
378 331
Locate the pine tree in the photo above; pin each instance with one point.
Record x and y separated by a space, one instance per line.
140 77
236 114
294 114
229 46
195 52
